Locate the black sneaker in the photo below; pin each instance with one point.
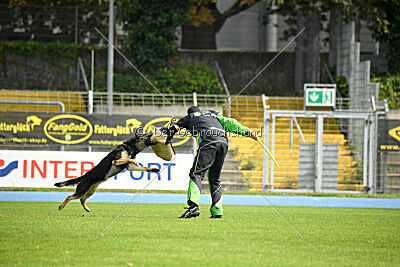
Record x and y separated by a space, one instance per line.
216 216
191 212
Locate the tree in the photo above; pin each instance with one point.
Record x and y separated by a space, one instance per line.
51 20
206 21
151 30
301 14
383 18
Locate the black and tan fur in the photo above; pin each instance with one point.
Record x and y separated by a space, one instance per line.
122 157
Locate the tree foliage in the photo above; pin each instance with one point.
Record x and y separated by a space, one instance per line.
206 11
384 21
52 20
151 30
389 85
290 9
205 21
194 77
382 17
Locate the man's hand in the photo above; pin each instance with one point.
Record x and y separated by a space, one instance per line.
253 135
169 132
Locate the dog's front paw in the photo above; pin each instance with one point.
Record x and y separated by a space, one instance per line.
59 184
154 170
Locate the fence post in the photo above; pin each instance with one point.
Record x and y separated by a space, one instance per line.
372 154
225 88
90 101
83 74
266 144
365 155
110 64
76 42
291 134
90 91
92 71
272 152
194 145
319 154
385 154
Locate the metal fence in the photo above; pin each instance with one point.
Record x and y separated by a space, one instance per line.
315 155
316 149
49 23
388 172
293 143
173 105
51 101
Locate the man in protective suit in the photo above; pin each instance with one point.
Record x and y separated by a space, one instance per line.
209 128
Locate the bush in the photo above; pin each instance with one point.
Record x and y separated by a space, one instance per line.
151 30
342 85
250 165
389 88
195 77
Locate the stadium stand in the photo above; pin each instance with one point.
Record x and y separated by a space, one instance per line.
73 101
248 110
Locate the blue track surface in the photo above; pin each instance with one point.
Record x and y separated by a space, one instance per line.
344 202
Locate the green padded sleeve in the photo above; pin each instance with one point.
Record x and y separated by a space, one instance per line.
232 125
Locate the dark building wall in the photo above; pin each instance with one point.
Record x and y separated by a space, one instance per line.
30 72
238 68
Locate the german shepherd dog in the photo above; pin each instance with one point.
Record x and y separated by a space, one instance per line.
123 156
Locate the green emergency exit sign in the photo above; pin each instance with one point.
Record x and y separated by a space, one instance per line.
320 95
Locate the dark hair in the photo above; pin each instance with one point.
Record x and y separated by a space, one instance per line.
193 109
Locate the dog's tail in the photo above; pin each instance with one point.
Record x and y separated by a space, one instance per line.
68 182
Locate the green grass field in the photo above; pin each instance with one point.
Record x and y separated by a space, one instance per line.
36 233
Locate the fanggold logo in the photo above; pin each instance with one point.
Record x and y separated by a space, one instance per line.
68 129
395 133
179 139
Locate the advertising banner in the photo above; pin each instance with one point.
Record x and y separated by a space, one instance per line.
79 129
389 135
44 168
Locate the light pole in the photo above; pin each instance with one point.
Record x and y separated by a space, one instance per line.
110 65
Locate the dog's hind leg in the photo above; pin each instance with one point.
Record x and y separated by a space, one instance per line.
85 207
91 191
68 199
80 191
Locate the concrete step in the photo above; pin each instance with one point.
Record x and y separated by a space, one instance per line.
226 186
232 165
230 176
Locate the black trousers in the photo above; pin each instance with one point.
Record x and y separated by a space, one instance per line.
210 157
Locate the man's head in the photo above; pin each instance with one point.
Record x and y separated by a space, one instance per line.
193 109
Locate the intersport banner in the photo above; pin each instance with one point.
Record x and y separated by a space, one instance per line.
44 168
79 129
